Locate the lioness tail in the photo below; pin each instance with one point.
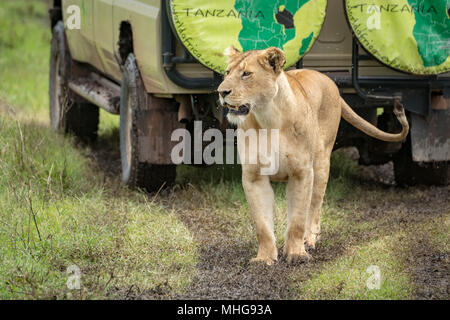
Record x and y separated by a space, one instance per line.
350 116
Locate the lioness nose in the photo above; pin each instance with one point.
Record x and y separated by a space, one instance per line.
224 93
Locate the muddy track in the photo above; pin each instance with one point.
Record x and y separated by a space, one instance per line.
224 271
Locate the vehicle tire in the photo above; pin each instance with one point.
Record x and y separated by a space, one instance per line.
135 173
408 172
67 113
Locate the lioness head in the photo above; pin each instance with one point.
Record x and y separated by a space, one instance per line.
250 81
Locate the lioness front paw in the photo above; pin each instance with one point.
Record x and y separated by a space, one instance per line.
267 260
297 258
296 253
311 240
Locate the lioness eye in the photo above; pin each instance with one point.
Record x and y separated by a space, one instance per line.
227 72
246 74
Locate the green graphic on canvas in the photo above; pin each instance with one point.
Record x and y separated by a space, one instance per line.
408 35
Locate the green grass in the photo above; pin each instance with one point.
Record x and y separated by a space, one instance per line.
25 54
347 276
56 209
59 208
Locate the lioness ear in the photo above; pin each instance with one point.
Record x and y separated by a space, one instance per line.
273 58
231 52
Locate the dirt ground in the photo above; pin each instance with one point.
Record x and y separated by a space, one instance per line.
224 271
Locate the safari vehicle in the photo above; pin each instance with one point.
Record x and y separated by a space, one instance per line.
157 64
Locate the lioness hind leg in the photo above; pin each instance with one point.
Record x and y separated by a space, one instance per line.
321 173
298 192
261 201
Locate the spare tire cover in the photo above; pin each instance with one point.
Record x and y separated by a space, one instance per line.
408 35
207 28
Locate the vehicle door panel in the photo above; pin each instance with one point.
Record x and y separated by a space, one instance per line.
103 35
81 41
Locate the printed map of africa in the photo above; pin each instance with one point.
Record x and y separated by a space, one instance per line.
410 35
432 32
271 32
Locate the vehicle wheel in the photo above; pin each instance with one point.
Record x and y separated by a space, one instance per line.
135 173
409 172
67 113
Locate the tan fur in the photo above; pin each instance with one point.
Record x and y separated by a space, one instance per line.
306 107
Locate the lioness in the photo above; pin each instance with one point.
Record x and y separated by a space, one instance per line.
306 107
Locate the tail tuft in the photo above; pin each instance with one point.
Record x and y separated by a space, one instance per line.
399 112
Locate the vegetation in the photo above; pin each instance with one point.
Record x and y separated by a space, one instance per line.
56 209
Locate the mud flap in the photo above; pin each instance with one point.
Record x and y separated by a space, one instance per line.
155 125
430 136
